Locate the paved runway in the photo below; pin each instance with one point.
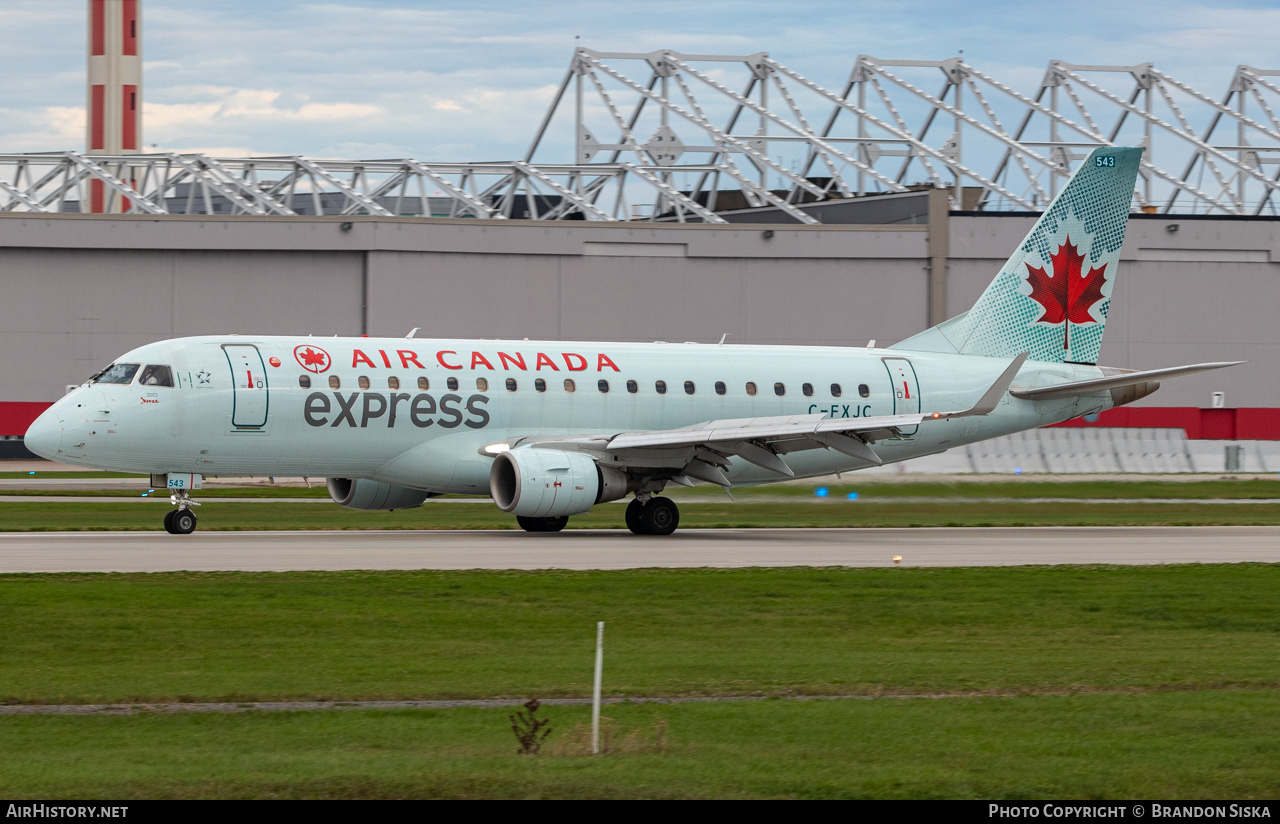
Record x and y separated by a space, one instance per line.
617 549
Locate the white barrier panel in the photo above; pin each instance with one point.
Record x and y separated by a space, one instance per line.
1094 451
1085 450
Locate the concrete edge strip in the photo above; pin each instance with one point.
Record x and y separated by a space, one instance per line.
468 703
228 707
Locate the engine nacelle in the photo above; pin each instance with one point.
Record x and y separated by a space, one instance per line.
548 483
361 493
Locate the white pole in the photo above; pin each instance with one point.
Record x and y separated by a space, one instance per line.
595 695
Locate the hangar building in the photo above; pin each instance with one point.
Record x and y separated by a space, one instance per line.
776 227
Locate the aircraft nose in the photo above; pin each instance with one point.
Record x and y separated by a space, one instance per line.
44 436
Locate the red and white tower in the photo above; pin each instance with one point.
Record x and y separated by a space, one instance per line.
115 89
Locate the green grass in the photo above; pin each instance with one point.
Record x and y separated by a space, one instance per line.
868 488
1173 745
879 504
876 487
1072 682
23 516
354 635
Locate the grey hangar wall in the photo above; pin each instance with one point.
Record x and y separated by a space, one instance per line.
80 290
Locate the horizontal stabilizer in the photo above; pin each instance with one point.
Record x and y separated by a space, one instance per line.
1064 390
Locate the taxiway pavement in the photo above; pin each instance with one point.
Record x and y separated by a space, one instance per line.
618 549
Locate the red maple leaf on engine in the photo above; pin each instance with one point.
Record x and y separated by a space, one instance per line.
1067 294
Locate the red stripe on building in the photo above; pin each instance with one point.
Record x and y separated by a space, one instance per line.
17 417
130 38
129 108
97 197
1248 424
98 117
98 27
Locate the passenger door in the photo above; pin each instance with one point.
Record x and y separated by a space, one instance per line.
906 390
250 399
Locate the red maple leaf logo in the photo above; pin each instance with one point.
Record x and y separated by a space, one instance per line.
1067 294
312 359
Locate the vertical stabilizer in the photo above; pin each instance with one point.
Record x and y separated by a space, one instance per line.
1051 297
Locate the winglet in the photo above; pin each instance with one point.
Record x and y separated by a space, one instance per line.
991 398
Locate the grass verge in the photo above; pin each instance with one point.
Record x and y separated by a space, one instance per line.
1068 682
867 488
1177 745
26 516
370 635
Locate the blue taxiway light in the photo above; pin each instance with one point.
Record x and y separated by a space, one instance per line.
853 496
822 492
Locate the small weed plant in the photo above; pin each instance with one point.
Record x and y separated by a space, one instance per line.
530 730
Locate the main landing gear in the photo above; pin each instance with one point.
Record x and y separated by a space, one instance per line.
181 521
656 516
645 516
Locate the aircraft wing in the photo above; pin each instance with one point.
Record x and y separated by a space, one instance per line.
1064 390
760 429
699 451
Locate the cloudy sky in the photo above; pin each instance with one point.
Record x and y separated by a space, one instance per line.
469 81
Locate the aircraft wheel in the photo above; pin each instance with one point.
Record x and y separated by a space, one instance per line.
542 524
659 517
168 521
633 516
184 522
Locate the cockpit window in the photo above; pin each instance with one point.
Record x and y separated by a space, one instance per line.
116 373
156 375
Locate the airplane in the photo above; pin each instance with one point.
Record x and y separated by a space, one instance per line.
551 429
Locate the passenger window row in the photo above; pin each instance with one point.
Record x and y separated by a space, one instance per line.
540 385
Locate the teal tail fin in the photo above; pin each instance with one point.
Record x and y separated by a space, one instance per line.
1051 297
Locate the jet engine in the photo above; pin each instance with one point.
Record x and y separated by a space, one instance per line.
548 483
361 493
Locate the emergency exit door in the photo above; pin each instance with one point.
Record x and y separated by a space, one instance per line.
906 390
249 379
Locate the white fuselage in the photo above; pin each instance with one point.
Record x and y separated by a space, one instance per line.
418 413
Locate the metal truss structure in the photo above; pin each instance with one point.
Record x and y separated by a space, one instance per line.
195 184
681 137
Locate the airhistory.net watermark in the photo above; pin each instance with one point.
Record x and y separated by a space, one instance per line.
64 811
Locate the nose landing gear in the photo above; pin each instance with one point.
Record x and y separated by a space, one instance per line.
181 521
